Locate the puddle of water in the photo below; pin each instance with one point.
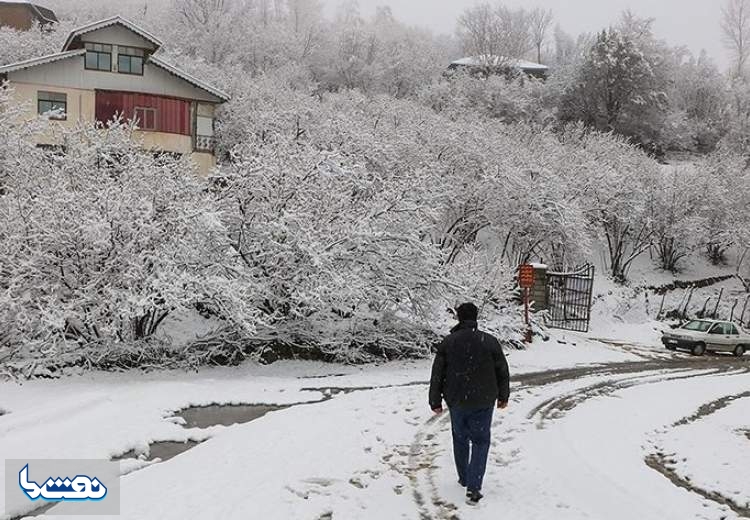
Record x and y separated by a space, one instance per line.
224 415
200 417
163 450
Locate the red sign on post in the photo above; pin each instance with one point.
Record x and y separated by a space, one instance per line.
526 282
526 276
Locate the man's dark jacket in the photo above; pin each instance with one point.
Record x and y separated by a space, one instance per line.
470 370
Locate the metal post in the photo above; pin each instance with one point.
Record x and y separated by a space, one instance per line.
687 303
702 313
718 301
661 307
678 309
731 314
744 308
527 338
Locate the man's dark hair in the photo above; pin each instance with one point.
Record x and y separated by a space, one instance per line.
467 312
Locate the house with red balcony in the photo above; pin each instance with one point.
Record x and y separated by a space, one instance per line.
110 69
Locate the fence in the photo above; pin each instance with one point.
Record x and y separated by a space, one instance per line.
717 306
569 298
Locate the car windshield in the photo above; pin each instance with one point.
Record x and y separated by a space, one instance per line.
698 325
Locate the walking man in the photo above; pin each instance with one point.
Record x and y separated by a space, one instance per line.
471 373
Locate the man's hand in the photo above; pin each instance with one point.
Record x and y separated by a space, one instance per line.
502 405
438 410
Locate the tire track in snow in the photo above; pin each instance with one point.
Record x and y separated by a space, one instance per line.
660 463
557 407
665 466
422 472
711 408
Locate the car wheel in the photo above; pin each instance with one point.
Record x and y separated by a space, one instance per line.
739 350
671 347
699 349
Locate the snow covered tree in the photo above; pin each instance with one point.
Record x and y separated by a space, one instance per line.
17 158
735 25
540 21
334 247
567 49
487 31
508 100
723 188
675 206
617 88
616 187
101 240
698 105
36 42
209 28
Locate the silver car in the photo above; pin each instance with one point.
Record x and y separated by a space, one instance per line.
700 336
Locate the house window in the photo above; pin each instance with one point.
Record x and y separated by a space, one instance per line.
130 60
52 104
98 56
145 118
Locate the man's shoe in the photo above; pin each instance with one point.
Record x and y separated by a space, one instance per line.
473 497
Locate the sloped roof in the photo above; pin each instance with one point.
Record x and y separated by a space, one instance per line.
115 20
187 77
47 15
43 14
50 58
158 62
495 61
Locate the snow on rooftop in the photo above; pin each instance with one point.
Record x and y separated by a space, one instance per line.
114 20
187 77
43 60
495 61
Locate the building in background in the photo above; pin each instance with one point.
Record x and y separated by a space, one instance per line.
108 69
500 65
22 16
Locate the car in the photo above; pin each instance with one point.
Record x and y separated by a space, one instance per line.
701 336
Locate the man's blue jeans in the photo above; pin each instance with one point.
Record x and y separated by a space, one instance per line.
471 444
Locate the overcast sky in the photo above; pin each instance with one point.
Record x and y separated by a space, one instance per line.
693 23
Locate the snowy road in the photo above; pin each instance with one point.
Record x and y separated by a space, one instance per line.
624 433
578 444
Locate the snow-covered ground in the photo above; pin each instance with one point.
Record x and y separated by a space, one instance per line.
584 419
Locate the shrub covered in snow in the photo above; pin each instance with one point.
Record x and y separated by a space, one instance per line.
101 240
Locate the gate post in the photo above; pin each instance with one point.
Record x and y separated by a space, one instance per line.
539 290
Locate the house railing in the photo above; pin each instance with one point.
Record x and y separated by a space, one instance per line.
205 143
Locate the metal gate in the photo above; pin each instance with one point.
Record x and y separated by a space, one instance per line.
569 298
